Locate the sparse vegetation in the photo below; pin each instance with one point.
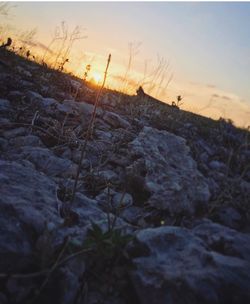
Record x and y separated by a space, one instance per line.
101 193
89 130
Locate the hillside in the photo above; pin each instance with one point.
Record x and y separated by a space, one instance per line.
160 212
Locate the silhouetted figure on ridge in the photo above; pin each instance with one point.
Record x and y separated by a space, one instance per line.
140 92
8 43
3 63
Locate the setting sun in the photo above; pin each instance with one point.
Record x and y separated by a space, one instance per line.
96 77
212 74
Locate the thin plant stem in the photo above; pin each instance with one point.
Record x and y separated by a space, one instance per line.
89 131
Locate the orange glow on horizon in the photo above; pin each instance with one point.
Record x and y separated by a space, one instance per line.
97 77
197 97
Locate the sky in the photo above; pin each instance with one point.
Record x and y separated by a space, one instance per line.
206 45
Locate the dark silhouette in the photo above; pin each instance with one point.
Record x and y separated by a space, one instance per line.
8 43
140 92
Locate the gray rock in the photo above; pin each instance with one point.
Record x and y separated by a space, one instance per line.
15 96
244 186
110 100
69 281
131 214
23 71
48 102
15 132
87 109
67 107
108 176
203 157
4 121
44 103
34 97
26 163
102 125
27 84
218 166
66 153
224 240
77 108
76 155
103 135
229 217
205 147
15 245
213 186
119 160
28 140
75 84
110 200
217 176
176 265
47 162
169 172
4 105
88 208
3 144
116 121
27 202
122 200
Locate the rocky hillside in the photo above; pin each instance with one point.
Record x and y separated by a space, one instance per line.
161 210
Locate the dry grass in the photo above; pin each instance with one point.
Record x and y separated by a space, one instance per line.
89 130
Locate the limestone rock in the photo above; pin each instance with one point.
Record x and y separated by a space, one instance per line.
176 265
27 202
47 162
115 120
4 105
169 173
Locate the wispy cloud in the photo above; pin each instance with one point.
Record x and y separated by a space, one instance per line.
130 82
214 102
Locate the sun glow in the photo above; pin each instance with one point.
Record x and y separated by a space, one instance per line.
97 77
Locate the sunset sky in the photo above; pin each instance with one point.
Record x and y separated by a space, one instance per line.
207 46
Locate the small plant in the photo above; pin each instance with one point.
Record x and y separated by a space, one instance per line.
109 244
108 262
178 102
61 66
86 73
7 44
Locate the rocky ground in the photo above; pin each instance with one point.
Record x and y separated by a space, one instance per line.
161 212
